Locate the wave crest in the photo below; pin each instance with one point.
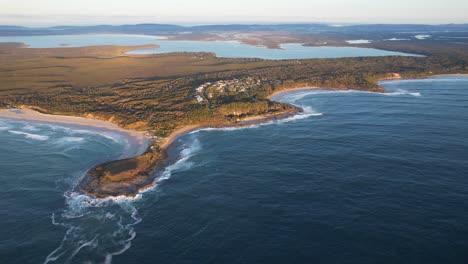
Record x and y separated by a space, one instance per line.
29 135
402 92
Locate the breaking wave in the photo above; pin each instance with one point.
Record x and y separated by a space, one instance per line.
30 127
294 96
29 135
66 140
307 112
99 229
61 134
96 230
183 163
78 131
402 92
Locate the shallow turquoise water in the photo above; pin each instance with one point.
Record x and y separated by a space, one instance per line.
358 178
226 49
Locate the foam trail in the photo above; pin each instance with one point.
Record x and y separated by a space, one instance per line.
296 96
75 131
30 127
183 162
103 227
94 230
66 140
402 92
307 112
28 135
5 125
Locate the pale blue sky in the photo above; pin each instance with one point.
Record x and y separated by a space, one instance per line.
53 12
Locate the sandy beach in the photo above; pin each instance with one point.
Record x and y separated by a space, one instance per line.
137 141
178 133
277 93
245 122
273 95
452 75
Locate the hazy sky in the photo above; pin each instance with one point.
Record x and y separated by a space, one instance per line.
53 12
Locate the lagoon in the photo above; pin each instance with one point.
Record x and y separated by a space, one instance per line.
224 49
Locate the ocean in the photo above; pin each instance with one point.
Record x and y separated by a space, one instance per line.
360 177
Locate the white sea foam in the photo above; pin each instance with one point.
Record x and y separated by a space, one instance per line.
78 202
402 92
308 112
422 37
296 96
183 162
397 39
127 245
95 228
28 135
79 131
358 41
117 215
30 127
67 140
77 135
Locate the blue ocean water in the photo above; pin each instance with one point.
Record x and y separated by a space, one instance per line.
360 177
226 49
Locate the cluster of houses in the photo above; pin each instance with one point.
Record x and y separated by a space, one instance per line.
210 89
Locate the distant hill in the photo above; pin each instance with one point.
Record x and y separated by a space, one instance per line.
152 29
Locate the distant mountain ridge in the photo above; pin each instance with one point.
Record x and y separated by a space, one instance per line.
152 29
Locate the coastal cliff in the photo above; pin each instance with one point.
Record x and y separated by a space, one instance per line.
122 177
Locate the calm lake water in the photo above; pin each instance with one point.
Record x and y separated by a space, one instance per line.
358 178
226 49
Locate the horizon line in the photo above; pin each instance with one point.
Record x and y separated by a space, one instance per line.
244 23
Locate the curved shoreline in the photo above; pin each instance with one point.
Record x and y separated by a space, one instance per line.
138 146
244 123
94 181
138 142
148 175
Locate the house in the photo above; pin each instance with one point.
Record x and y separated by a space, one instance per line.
199 99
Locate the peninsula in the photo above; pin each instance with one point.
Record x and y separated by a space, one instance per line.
167 95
